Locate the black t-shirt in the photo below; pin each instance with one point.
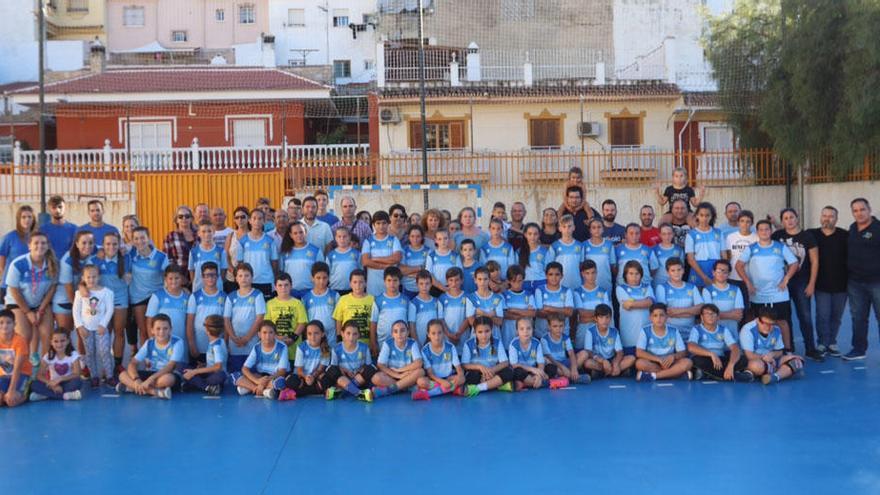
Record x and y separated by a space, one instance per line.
548 239
800 244
679 233
832 260
685 193
863 251
581 230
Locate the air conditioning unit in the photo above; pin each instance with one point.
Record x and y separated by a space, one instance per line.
588 129
389 115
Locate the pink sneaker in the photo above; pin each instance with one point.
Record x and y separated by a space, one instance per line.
557 383
287 394
421 395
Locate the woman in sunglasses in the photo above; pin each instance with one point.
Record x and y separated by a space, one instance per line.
180 241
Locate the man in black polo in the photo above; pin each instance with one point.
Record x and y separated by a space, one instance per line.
830 281
863 284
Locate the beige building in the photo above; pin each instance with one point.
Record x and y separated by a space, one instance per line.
76 20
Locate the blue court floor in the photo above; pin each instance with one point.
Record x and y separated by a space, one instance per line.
818 435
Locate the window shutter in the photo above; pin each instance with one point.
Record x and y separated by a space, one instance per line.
415 135
456 134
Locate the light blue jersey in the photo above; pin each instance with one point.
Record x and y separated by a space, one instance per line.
154 357
271 362
489 355
570 257
663 254
422 311
320 307
162 302
766 269
68 275
202 305
442 364
532 355
413 258
587 300
492 304
605 258
660 346
12 246
216 353
684 296
396 357
353 360
469 283
514 300
752 340
456 309
605 345
32 281
632 320
259 253
298 264
243 310
387 310
480 240
538 261
110 278
503 254
704 245
716 341
561 298
379 248
199 256
438 263
309 358
342 263
557 349
727 298
643 254
147 274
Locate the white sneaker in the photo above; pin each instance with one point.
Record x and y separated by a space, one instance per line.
75 395
164 393
270 393
35 397
243 391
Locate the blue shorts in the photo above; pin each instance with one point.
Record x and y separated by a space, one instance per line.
629 351
7 379
62 309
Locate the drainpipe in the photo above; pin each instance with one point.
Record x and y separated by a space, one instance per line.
691 113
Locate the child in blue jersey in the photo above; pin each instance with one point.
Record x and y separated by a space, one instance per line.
400 361
458 309
703 245
632 249
258 250
296 258
243 314
485 362
727 297
148 266
203 252
682 299
69 272
309 376
378 252
321 301
31 280
553 299
352 366
207 301
518 303
387 308
497 249
562 363
210 375
423 308
586 298
115 269
660 350
635 299
715 350
601 251
469 264
171 301
441 260
415 255
602 354
665 250
443 371
496 283
526 357
266 366
568 253
534 257
342 261
486 303
761 341
155 369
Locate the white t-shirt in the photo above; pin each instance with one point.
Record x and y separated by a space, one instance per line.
60 367
221 235
93 311
736 243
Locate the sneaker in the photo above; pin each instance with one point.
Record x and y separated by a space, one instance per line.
695 374
853 356
557 383
834 351
287 394
213 389
96 382
471 391
35 360
120 388
507 387
769 378
164 393
270 393
365 395
744 376
815 355
111 382
585 379
75 395
421 395
645 377
821 348
35 397
243 391
332 393
279 383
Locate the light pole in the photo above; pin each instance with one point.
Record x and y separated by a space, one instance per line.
422 103
41 16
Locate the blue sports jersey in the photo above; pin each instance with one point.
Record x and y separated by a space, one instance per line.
556 349
727 299
298 264
752 340
99 232
514 300
261 361
489 355
685 296
442 364
503 254
456 309
670 343
605 258
242 310
147 274
33 282
154 357
202 305
547 298
259 253
110 278
533 355
570 257
469 283
351 360
662 254
11 246
538 261
766 269
174 307
387 310
198 257
716 342
310 358
605 345
379 248
480 240
587 300
68 275
60 236
320 307
412 258
421 312
632 320
342 263
492 304
397 357
643 254
216 353
438 263
705 245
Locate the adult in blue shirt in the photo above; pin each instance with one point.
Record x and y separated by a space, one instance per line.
324 214
59 231
96 223
15 243
614 232
863 284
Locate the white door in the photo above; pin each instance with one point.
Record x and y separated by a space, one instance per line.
249 133
150 135
715 164
717 138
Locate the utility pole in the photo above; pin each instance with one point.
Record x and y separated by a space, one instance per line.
41 17
422 103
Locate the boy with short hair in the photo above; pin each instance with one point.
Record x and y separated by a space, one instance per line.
715 350
458 309
496 282
203 252
379 251
660 350
761 341
602 352
569 253
320 302
562 363
161 357
423 308
486 303
356 306
682 299
469 264
518 303
342 261
587 297
212 375
208 300
287 313
389 307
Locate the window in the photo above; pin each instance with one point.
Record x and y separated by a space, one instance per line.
178 36
625 131
369 65
78 5
247 14
150 135
341 68
296 17
249 133
443 135
219 15
340 17
517 10
718 138
133 16
545 133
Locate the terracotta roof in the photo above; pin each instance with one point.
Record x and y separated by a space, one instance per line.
15 86
155 80
704 99
616 91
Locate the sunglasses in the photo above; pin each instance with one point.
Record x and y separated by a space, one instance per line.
396 215
240 217
184 216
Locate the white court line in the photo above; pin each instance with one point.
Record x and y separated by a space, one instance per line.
567 388
616 386
665 384
211 397
859 367
709 382
826 372
110 396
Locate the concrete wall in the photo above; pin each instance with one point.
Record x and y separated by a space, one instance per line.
839 196
77 212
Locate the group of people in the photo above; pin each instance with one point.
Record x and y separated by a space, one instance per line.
295 301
